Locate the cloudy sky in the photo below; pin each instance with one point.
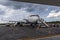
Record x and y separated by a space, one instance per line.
15 11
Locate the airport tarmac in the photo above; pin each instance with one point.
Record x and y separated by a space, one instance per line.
14 33
49 38
56 37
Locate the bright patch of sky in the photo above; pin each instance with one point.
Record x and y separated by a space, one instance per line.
15 11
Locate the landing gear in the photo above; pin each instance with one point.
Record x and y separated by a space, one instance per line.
35 25
18 24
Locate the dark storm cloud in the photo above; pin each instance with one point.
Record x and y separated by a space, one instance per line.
29 6
36 8
9 8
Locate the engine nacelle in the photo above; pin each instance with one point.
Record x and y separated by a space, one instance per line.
32 18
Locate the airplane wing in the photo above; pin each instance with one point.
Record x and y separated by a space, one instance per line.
48 2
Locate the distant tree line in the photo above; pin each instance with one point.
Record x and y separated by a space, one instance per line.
53 22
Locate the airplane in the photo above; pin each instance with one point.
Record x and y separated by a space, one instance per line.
33 20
